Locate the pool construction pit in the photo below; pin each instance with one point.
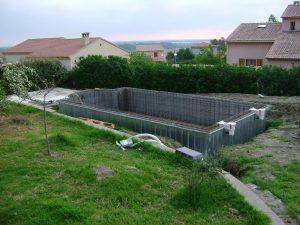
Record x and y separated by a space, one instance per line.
203 124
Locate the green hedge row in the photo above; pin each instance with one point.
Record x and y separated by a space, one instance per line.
140 72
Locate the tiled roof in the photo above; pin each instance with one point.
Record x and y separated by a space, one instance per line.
149 48
48 47
286 46
292 11
250 32
200 45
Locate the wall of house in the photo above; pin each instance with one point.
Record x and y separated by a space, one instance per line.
285 63
235 51
17 57
99 47
66 62
286 24
14 58
160 55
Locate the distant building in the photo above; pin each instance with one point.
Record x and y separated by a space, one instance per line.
198 47
156 52
258 44
2 58
66 50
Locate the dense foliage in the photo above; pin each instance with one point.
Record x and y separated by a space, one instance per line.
141 72
48 71
185 55
207 57
16 79
97 71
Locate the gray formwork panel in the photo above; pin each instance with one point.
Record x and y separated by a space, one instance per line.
187 108
112 105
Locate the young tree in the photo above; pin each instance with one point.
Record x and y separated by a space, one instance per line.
170 56
185 54
18 79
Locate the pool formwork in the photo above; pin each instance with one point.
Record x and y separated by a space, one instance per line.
189 119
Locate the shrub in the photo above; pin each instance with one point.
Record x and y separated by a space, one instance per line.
48 71
101 72
17 78
2 96
204 174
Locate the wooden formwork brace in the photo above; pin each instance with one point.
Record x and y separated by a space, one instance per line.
99 122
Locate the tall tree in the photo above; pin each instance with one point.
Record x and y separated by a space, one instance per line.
272 19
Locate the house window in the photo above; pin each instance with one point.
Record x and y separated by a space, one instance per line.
250 62
155 54
293 25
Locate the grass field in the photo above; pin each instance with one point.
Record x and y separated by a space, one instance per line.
148 186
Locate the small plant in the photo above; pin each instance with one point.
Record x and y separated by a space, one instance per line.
275 123
202 171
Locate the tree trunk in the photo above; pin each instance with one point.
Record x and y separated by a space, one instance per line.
46 127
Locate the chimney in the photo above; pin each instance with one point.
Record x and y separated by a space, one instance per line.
296 2
85 38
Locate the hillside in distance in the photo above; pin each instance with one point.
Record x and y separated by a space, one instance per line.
167 44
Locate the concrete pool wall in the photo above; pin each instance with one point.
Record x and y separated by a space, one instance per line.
189 119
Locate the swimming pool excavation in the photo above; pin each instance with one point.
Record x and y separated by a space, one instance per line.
199 123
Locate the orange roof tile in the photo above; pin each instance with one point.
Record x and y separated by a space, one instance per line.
48 47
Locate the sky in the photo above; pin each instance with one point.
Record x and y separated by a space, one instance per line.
130 20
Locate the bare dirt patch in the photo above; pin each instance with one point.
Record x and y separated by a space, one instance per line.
103 172
281 144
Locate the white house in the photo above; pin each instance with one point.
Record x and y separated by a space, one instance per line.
66 50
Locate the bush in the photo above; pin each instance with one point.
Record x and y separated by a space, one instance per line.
207 57
48 71
101 72
2 96
16 79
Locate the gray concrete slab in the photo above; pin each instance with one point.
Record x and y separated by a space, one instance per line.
189 153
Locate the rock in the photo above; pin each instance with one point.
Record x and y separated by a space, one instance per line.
103 172
233 211
131 168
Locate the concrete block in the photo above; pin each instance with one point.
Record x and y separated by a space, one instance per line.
189 153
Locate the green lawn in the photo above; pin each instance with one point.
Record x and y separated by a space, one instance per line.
63 189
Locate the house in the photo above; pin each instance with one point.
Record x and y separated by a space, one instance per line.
66 50
258 44
198 47
156 52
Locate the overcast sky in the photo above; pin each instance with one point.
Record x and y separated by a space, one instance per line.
122 20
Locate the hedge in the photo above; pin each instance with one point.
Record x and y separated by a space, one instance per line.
140 72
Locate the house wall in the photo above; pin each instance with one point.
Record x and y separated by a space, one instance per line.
14 58
99 47
66 62
286 24
235 51
159 55
284 63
